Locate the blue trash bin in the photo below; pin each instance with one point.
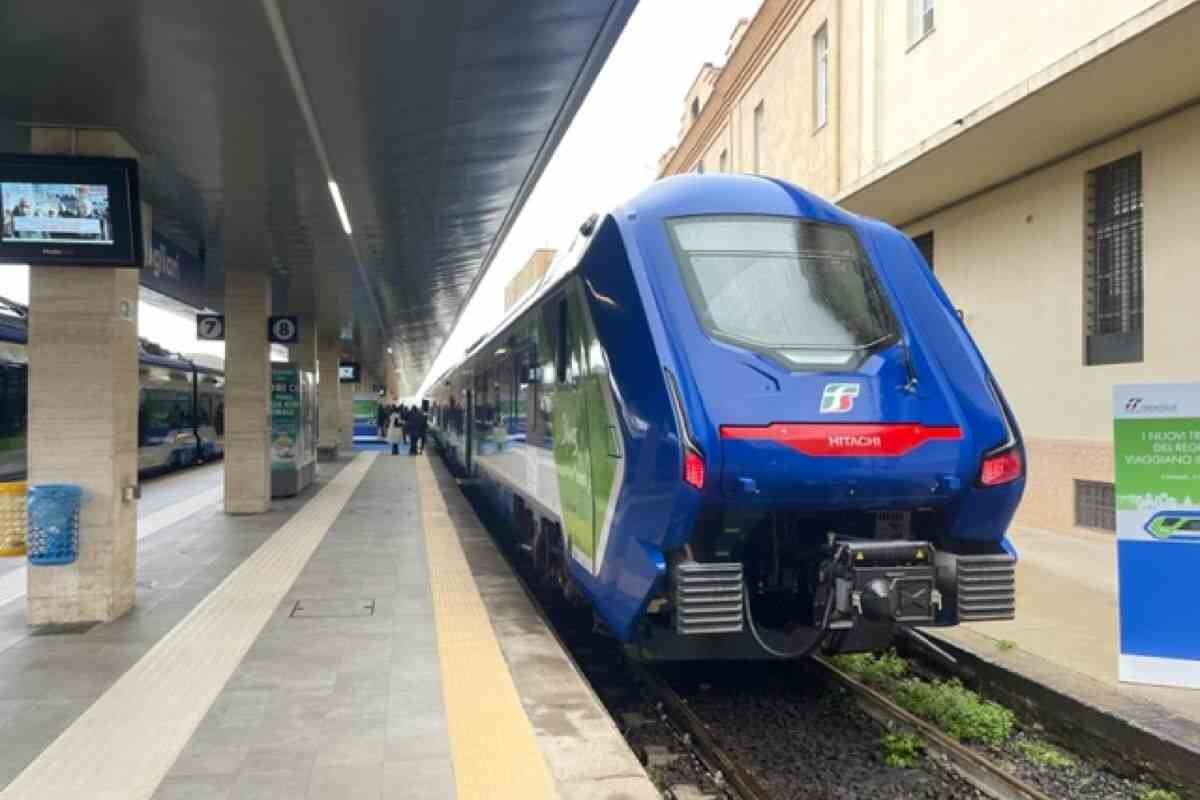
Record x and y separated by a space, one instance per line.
53 513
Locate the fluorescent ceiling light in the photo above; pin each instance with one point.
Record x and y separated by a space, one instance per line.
389 351
341 207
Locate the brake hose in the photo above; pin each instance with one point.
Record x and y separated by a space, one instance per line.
812 646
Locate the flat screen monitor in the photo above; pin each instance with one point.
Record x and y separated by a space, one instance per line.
349 372
70 211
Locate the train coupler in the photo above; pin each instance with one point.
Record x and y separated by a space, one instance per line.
890 581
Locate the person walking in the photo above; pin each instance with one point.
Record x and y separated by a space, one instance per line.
395 431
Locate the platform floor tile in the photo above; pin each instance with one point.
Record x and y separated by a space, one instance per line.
128 739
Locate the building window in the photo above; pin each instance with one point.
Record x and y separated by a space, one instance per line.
723 161
924 243
1113 263
1095 505
920 20
759 132
821 77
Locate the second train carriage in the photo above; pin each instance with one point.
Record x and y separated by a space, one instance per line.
181 405
742 422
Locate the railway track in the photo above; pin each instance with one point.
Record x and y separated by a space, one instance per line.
667 721
989 778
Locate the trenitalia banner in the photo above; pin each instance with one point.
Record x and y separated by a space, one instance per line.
1156 432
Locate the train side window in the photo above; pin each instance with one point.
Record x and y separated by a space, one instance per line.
219 418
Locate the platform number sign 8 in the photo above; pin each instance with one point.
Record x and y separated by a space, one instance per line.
283 330
210 327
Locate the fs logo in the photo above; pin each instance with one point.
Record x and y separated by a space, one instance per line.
1132 404
838 398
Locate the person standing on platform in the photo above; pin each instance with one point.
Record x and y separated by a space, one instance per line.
381 419
417 423
403 423
395 431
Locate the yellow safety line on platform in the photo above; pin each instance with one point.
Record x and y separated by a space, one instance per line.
491 739
12 584
125 743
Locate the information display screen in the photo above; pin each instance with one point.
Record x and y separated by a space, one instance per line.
70 211
349 372
56 212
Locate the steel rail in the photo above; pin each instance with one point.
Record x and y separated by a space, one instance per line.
737 777
982 773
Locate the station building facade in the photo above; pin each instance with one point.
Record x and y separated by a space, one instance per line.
1046 159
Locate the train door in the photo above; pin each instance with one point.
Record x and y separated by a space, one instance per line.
603 435
572 434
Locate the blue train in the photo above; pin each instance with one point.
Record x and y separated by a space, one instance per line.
741 422
181 405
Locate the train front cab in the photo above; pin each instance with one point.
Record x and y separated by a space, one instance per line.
853 466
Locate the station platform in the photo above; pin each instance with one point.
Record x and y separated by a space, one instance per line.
1064 638
362 640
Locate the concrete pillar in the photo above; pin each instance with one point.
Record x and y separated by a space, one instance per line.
304 352
329 417
83 405
247 391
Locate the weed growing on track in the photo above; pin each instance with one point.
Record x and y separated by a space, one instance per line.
1040 752
1150 793
955 709
900 749
879 671
1005 644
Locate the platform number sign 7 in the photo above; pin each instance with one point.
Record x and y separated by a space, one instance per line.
283 330
210 327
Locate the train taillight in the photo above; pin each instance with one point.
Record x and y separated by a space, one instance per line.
693 468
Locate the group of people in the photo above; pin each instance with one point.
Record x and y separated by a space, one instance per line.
403 425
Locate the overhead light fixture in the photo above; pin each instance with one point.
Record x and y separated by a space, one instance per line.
341 207
389 351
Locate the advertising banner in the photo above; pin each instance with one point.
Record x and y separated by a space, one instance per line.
285 416
1156 433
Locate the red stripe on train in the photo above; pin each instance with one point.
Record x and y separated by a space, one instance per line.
844 439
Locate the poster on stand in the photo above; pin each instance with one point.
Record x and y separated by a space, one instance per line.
293 429
1156 435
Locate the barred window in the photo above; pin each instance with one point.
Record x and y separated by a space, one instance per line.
1113 253
1095 505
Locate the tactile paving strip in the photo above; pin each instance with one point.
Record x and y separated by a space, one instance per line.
492 742
124 744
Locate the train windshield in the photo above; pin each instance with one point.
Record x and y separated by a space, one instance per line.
799 290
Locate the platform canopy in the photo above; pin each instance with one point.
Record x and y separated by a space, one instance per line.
433 118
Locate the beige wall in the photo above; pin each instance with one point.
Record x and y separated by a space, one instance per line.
791 147
887 95
977 51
